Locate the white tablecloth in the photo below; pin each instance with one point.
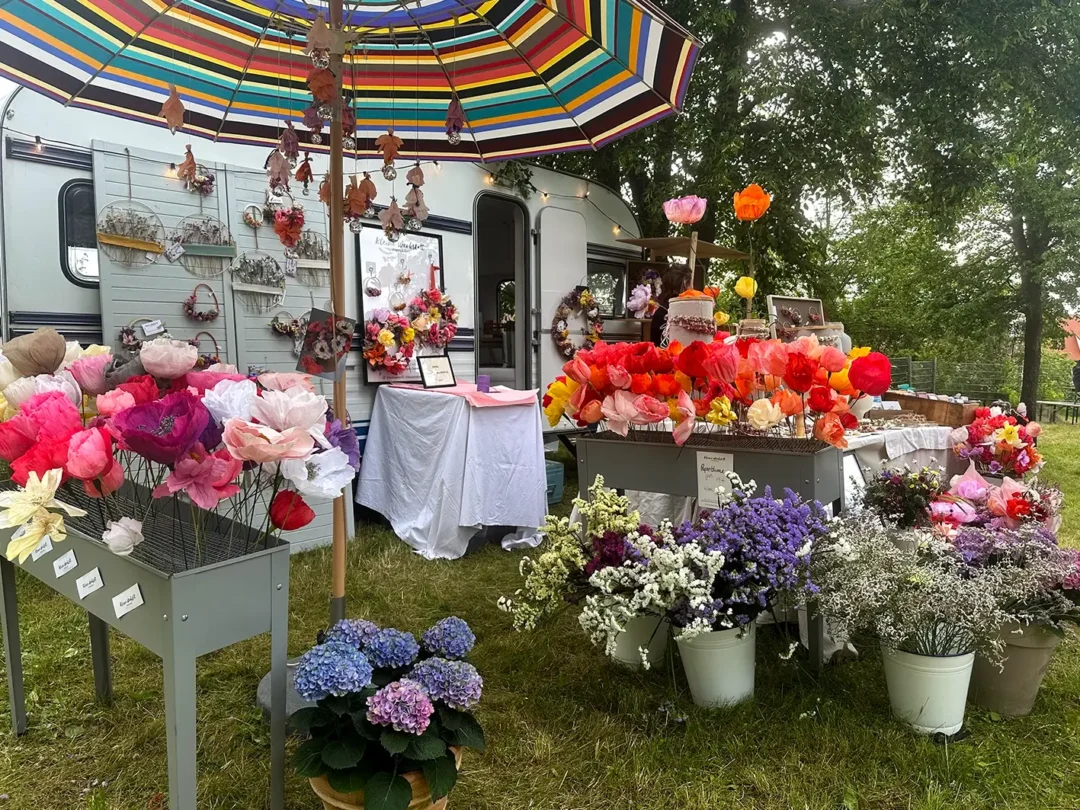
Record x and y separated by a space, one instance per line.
439 469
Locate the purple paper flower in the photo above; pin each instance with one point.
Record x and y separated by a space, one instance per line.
392 649
163 430
354 632
332 668
449 637
343 438
455 683
402 705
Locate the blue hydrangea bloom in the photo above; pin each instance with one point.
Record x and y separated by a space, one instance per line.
392 649
354 632
333 668
450 638
455 683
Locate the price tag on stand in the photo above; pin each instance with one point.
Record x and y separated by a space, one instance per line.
174 251
290 266
710 477
151 328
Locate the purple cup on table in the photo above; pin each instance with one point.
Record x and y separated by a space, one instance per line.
483 383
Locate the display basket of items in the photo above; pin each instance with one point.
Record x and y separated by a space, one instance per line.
208 246
258 281
313 259
939 410
130 234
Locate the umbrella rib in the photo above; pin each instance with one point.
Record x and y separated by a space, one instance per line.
536 72
446 73
247 67
173 4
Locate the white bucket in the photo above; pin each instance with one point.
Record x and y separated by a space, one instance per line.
928 692
644 631
720 666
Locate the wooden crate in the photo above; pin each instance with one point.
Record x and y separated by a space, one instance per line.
939 411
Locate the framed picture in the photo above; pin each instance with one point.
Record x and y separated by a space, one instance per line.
391 274
789 314
436 371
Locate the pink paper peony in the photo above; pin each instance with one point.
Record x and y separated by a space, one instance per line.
113 402
284 380
768 357
293 408
110 481
167 358
685 210
1033 429
89 373
722 362
202 381
250 442
619 411
206 478
89 454
17 435
650 410
619 376
832 359
53 414
577 370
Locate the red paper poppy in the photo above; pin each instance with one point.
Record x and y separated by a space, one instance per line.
598 378
289 512
744 344
871 374
44 455
849 420
800 371
143 388
641 383
666 385
1018 507
691 359
821 399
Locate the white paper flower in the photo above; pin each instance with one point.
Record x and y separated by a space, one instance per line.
62 381
763 415
295 408
321 476
121 536
18 391
231 399
167 358
8 373
73 353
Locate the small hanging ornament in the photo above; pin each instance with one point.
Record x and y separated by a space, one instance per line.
289 144
320 82
455 121
188 168
357 203
367 185
392 222
173 110
324 190
314 122
348 125
319 39
390 145
278 170
415 177
304 174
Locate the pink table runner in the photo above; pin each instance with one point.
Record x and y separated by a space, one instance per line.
498 396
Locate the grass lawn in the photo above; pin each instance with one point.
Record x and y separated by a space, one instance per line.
567 730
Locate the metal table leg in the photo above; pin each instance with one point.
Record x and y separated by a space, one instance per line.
178 663
279 642
99 651
9 623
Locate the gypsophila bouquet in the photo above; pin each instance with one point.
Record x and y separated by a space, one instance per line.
902 498
387 707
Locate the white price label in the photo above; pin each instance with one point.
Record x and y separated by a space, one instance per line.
126 601
290 266
41 549
151 328
88 583
174 251
65 564
710 477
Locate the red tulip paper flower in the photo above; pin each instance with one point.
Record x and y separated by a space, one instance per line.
799 375
822 399
871 374
288 512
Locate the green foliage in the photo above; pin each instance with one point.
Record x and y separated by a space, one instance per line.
515 176
441 775
343 753
387 791
395 741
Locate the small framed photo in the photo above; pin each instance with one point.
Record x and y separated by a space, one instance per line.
436 371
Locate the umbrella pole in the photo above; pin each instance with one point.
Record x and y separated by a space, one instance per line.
337 296
693 257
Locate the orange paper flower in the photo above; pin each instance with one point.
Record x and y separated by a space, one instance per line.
751 203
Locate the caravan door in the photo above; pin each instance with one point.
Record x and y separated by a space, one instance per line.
562 265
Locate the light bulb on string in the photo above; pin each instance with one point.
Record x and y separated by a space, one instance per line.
39 146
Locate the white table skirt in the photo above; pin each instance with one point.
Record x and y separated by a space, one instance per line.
439 470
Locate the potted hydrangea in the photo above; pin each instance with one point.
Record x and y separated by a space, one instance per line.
392 715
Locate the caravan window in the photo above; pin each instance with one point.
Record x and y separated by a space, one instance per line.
607 281
78 232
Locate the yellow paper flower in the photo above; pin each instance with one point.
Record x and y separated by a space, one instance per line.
1010 435
673 410
6 409
28 508
434 314
858 351
386 337
94 349
408 334
720 317
720 412
554 411
745 287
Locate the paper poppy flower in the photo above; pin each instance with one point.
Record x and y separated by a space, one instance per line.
89 454
871 374
751 203
746 287
162 431
800 371
53 414
691 360
167 358
821 399
43 455
829 429
17 435
685 210
89 372
288 512
142 388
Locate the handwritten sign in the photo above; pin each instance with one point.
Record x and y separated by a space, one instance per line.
64 564
88 583
436 371
41 549
174 251
126 601
290 266
710 477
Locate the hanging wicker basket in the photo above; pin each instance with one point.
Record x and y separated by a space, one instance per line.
130 234
258 281
313 259
209 248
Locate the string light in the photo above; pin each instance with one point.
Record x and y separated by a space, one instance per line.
171 171
544 196
38 145
616 230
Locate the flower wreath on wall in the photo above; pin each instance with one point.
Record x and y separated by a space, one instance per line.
389 341
434 318
579 300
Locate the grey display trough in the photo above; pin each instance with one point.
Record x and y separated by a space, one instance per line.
185 614
650 461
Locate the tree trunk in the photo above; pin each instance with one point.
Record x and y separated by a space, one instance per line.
1031 302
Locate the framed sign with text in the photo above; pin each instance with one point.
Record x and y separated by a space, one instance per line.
436 371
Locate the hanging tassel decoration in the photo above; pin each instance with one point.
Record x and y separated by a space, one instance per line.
173 110
289 144
278 171
304 174
455 121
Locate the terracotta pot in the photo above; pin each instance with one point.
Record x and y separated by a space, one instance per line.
1011 689
332 800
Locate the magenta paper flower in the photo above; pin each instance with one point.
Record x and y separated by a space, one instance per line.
685 210
206 478
164 430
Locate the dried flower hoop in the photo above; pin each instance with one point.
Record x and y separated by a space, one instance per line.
313 259
254 216
285 324
192 301
129 335
130 234
208 245
207 360
578 301
258 281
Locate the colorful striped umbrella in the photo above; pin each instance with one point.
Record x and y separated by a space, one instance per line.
533 76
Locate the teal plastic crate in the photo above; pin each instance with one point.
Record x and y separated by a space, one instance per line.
554 482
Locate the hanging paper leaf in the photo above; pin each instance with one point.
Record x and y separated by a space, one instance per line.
318 36
187 170
173 110
358 198
324 189
321 83
303 172
389 144
289 143
415 177
367 185
391 218
348 118
312 119
455 116
415 206
278 170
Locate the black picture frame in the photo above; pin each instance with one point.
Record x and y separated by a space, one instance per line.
427 360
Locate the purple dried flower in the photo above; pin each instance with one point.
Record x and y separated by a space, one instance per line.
354 632
402 705
332 668
455 683
392 649
449 637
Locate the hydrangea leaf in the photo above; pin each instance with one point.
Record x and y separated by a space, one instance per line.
396 741
386 791
341 754
441 776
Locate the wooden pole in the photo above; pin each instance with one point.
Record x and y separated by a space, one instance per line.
337 297
693 258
